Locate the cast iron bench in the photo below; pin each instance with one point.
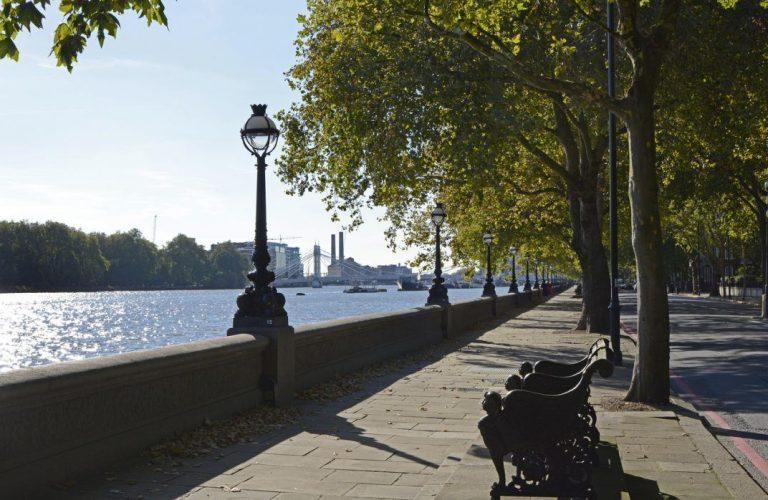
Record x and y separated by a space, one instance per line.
547 427
565 369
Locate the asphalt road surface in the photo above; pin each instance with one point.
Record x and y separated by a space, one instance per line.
719 362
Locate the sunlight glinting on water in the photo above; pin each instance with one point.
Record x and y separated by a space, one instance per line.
43 328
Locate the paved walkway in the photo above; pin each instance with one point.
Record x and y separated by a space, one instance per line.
412 434
719 355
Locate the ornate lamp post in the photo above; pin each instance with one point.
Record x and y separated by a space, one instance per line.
260 305
536 274
438 293
764 301
513 285
489 289
527 284
614 309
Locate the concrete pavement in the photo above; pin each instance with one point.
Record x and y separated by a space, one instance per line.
719 362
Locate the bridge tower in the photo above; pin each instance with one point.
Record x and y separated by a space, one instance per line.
317 254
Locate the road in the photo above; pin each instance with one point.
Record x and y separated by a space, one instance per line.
719 362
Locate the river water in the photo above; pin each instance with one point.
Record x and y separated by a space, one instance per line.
42 328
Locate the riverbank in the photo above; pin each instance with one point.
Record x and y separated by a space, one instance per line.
67 419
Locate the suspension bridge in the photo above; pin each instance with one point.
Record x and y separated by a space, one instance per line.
319 268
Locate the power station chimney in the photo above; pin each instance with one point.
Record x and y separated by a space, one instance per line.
333 249
341 246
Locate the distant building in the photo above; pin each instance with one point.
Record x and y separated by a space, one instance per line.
394 270
284 261
349 268
293 263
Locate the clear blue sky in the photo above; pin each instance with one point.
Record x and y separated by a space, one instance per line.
149 125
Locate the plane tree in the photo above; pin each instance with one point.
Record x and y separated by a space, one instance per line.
80 20
393 114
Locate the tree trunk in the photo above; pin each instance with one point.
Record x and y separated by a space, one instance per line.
650 378
598 294
582 323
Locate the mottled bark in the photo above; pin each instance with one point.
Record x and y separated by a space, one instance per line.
650 378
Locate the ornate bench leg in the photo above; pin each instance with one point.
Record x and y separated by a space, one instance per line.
493 441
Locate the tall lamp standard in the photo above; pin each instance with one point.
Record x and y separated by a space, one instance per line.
438 293
764 301
260 305
527 284
489 289
513 285
536 274
614 309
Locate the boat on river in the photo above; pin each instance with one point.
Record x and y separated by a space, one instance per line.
408 284
364 289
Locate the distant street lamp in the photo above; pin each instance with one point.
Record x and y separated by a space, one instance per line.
489 289
260 304
527 284
536 274
438 293
513 285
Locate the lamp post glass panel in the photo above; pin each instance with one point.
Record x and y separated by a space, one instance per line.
438 293
260 305
527 285
513 284
489 289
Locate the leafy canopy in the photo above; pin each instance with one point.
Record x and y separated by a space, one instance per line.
80 20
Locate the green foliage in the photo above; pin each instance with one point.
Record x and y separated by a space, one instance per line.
80 20
53 256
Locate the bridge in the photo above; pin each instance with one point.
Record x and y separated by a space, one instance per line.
326 269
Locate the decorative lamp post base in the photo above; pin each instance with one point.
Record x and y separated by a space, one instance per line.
764 306
513 287
489 289
438 295
527 286
260 306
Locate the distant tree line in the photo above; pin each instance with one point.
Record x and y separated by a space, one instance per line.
54 256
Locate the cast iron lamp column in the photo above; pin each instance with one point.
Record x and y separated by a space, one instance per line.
489 289
260 305
614 309
513 285
764 301
536 274
438 293
527 284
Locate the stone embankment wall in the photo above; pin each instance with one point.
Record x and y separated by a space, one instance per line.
68 419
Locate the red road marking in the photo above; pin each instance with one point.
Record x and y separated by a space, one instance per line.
749 452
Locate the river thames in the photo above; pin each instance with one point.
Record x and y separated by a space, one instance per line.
42 328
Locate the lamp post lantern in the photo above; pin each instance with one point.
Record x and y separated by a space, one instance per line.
536 274
513 284
489 289
260 305
438 293
527 284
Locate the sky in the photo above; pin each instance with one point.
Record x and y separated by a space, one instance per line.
149 125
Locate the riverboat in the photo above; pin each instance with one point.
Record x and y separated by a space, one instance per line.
364 289
407 284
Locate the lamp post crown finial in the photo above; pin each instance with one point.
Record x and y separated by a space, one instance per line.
259 109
